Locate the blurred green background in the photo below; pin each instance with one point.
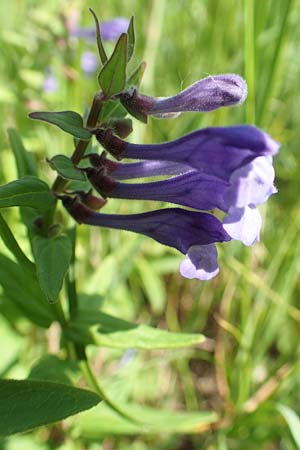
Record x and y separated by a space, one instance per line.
248 370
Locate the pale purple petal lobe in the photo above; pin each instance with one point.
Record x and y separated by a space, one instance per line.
243 224
201 262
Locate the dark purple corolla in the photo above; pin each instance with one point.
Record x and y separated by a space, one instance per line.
216 151
192 233
225 168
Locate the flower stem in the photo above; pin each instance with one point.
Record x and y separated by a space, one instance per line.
94 384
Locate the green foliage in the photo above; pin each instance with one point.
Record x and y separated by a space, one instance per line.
25 294
52 256
24 160
293 422
112 78
69 121
101 421
131 39
27 191
101 50
65 168
93 327
129 292
22 404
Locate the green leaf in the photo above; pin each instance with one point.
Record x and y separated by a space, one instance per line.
101 50
103 421
25 161
112 108
94 327
293 421
25 294
69 121
13 246
52 256
28 191
153 286
52 368
131 39
65 168
112 77
137 75
26 404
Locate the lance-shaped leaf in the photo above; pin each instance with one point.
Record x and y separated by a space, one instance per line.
101 50
25 161
65 168
102 421
293 421
131 39
94 327
68 121
26 404
25 295
112 77
137 75
28 191
52 256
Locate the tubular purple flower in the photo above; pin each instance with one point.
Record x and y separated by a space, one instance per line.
192 189
110 30
204 95
216 151
175 227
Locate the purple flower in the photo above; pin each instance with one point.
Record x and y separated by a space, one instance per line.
175 227
231 169
50 82
192 189
110 30
205 95
89 62
215 151
249 186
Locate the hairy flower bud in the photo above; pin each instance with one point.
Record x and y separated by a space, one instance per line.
205 95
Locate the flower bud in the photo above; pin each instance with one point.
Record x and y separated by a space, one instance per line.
205 95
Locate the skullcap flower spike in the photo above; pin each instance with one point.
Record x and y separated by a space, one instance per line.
205 95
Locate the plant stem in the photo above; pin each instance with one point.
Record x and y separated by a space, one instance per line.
71 284
94 384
